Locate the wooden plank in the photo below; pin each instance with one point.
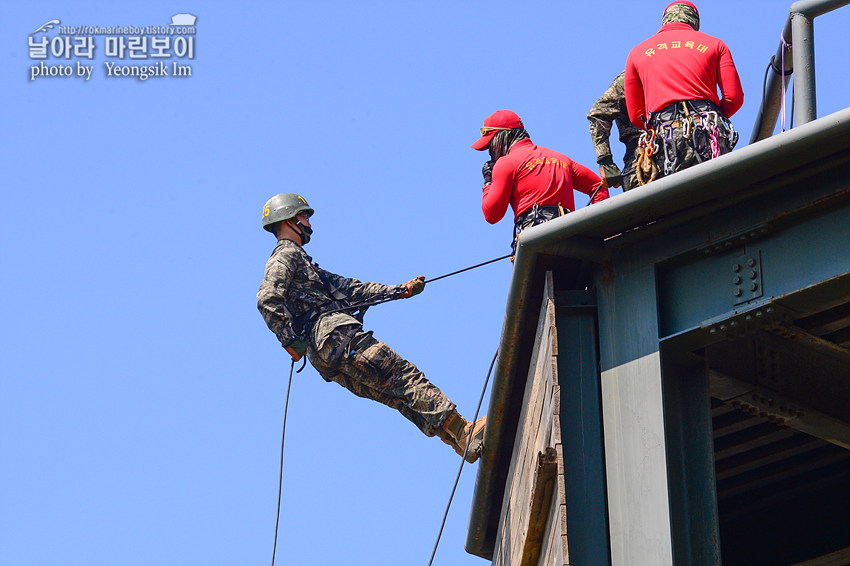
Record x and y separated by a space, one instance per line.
534 435
545 479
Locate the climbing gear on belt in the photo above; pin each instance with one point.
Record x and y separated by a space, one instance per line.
669 146
645 168
706 133
284 207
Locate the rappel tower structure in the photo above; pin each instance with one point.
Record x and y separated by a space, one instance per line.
674 371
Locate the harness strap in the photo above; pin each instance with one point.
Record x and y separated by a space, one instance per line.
303 323
536 215
332 290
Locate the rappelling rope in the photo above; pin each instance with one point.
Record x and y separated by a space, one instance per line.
467 268
381 298
462 460
280 481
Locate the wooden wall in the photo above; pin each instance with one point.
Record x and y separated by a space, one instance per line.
533 527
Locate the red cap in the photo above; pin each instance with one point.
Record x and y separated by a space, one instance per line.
499 120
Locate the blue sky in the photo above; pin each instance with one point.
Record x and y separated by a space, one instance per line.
142 394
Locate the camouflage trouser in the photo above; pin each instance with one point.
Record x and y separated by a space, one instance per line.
629 181
371 369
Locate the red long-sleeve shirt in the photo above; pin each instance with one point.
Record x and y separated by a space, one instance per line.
679 63
531 174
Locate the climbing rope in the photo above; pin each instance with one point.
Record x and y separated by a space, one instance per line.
645 168
280 480
467 268
381 298
462 460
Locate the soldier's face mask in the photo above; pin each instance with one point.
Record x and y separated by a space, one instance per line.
303 228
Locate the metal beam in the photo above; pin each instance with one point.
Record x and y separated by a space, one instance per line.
805 97
778 78
789 378
815 8
690 455
807 10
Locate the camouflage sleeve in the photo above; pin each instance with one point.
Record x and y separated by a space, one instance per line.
271 299
602 115
354 289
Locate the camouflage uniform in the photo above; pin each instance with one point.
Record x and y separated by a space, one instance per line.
337 346
610 108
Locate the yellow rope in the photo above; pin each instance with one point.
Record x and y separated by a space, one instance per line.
645 169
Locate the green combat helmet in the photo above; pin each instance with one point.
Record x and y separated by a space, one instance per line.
283 207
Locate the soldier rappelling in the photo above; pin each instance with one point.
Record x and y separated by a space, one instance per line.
319 314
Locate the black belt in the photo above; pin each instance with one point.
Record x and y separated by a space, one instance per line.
538 214
533 216
675 111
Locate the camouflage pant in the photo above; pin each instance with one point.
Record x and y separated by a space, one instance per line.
371 369
629 181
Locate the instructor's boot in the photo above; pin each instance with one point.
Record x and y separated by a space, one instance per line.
457 432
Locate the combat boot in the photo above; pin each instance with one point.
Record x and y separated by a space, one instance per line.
457 431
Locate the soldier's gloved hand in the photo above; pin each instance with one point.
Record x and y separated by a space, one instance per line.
413 287
296 347
487 171
610 173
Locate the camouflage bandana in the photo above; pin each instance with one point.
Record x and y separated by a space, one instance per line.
501 143
681 13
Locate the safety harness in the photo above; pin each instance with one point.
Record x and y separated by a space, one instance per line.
303 323
703 127
535 215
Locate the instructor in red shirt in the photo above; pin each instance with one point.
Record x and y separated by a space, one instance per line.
671 87
535 181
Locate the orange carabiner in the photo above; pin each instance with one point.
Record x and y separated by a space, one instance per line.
650 144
